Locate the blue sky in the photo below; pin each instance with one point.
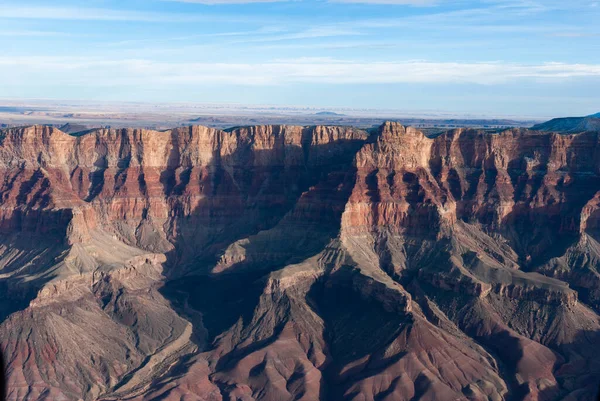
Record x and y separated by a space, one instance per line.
503 57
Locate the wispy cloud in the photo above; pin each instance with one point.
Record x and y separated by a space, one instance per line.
533 6
574 35
32 33
310 33
71 13
217 2
261 35
417 3
107 14
75 71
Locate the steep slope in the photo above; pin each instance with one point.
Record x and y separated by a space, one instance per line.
464 220
571 125
300 263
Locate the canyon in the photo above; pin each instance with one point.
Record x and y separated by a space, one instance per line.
272 263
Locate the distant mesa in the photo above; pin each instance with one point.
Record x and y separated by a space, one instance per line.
571 125
329 114
70 128
207 120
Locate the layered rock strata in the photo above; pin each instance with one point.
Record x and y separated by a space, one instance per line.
299 263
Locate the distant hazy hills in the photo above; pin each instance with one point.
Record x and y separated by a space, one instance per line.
571 124
329 113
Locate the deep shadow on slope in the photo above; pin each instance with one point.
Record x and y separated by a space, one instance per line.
579 382
349 318
2 378
305 217
241 199
39 240
222 301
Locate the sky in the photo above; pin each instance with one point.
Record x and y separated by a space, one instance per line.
529 58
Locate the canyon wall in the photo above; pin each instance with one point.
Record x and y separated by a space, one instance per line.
299 263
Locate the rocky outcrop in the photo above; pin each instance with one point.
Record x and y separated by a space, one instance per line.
299 263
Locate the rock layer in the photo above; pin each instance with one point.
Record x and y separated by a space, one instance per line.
299 263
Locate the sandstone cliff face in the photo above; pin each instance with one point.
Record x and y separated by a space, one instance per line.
475 215
299 263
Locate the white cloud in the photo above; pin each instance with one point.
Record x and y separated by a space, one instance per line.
31 33
417 3
71 13
310 33
389 2
217 2
92 73
105 14
262 35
